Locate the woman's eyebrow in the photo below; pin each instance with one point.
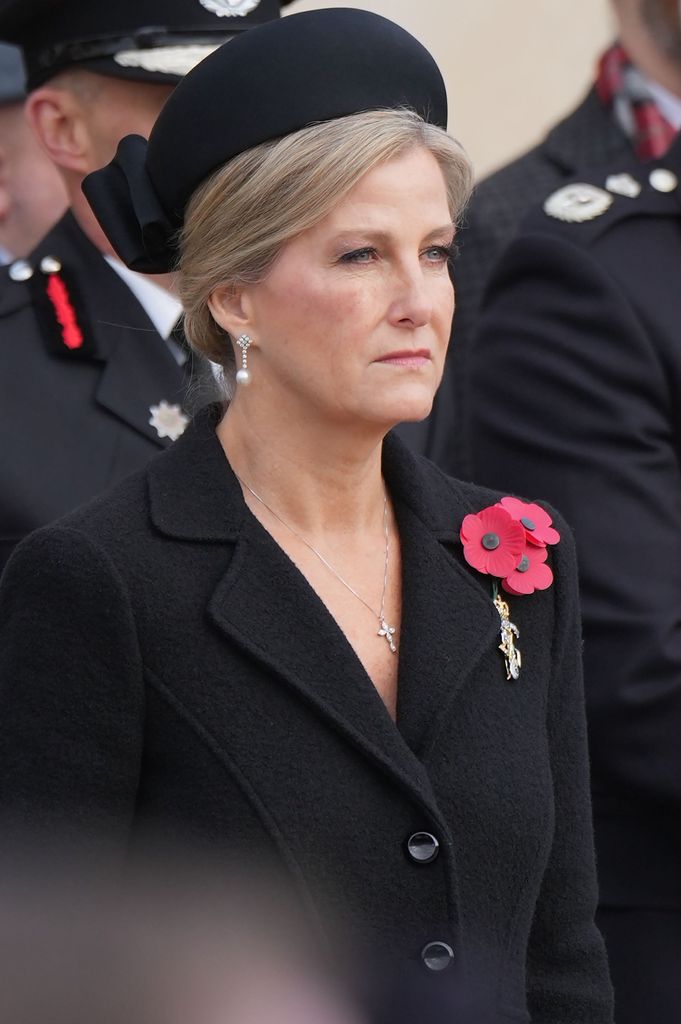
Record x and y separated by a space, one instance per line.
377 235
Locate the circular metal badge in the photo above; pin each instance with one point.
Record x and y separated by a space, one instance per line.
663 180
623 185
577 203
230 8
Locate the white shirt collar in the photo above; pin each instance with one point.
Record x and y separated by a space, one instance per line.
162 308
666 102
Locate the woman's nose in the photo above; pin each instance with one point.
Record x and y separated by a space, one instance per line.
412 304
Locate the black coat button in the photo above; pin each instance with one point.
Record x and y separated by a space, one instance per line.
437 956
422 847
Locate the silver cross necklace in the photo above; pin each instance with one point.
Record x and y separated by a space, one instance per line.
384 630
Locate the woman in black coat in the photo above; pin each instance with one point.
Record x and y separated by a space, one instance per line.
282 639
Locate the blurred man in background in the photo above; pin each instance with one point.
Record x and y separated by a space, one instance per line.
32 195
632 109
93 365
574 380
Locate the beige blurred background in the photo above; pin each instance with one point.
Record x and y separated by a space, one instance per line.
512 67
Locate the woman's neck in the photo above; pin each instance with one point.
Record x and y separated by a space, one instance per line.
318 478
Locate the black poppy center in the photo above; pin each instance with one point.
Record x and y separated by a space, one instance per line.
529 524
490 542
524 564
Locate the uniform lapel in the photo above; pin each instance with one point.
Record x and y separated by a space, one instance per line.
138 369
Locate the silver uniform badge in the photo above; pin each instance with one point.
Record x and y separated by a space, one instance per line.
165 60
230 8
168 420
577 203
623 185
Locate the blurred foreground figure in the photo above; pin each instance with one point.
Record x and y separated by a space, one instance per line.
93 365
162 949
632 110
32 195
575 394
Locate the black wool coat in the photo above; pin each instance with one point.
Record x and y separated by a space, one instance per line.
165 667
74 420
581 328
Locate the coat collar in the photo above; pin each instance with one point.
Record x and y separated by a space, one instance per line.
265 606
585 138
138 369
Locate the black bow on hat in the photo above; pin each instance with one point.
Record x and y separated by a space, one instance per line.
266 83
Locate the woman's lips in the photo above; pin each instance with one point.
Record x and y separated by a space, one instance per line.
407 357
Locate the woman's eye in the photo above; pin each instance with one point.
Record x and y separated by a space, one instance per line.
358 256
439 253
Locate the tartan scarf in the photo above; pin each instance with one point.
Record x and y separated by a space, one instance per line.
622 89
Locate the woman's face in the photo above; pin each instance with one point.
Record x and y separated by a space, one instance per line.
354 317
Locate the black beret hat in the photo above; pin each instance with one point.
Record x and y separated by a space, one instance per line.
267 83
145 40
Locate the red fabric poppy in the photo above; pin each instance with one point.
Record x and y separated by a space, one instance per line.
531 574
536 521
493 542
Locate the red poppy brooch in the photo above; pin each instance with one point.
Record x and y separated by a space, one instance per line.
509 540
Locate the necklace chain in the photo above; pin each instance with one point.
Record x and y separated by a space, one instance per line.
385 630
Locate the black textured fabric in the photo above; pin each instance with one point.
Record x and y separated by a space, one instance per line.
165 668
288 74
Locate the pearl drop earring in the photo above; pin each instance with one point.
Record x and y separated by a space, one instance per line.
243 376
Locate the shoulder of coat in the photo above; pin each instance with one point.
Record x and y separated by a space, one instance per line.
584 209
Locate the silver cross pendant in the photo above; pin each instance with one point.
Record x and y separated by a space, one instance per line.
388 632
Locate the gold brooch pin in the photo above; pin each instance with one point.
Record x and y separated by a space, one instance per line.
509 635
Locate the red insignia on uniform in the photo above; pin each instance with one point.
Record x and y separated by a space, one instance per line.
56 291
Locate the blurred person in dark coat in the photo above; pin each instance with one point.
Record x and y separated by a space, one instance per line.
93 367
281 638
632 109
32 195
576 394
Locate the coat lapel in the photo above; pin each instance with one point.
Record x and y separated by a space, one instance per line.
448 618
264 605
138 368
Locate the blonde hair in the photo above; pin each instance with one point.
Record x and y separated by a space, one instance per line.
239 219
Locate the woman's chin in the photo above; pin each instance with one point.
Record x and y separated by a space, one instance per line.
405 409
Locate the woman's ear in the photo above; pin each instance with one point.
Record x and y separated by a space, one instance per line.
231 309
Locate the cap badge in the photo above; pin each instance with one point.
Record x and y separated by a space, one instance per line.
165 60
230 8
577 203
623 185
168 420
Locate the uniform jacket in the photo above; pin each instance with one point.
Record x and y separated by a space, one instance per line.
576 394
74 420
586 138
165 666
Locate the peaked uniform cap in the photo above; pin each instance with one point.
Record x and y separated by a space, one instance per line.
281 77
146 40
